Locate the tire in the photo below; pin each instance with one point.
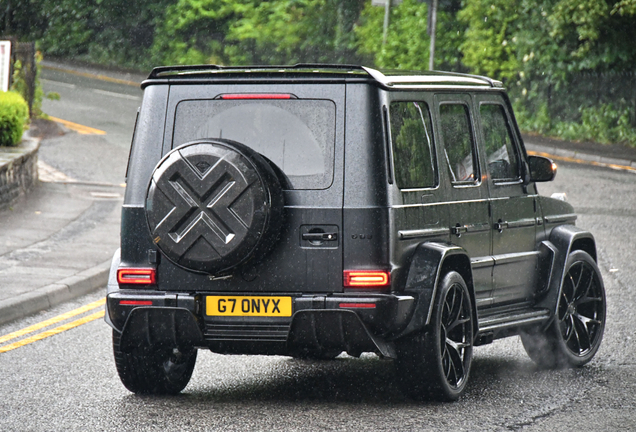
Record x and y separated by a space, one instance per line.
435 364
575 335
157 373
214 204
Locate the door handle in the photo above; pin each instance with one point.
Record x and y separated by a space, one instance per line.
458 230
320 236
500 225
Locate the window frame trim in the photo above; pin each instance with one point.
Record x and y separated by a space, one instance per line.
515 144
432 143
475 144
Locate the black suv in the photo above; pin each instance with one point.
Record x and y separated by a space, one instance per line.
313 209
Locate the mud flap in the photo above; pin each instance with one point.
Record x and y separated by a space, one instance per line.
157 328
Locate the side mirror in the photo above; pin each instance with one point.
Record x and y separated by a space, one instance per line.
542 169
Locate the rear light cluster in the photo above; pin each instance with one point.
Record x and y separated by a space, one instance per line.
137 276
367 278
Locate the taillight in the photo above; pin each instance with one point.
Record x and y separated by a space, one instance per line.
256 96
367 278
137 276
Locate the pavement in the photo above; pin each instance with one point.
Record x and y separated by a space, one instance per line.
57 242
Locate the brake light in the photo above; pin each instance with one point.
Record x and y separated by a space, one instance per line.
366 278
256 96
135 303
137 276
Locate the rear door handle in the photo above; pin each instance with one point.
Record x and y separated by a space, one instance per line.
458 230
500 225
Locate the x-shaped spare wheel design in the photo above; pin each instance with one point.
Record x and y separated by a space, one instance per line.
203 198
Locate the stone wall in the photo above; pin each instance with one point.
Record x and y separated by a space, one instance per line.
18 170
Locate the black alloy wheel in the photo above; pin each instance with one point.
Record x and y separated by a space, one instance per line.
162 372
436 364
576 333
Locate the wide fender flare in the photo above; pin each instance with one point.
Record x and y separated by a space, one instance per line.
112 286
429 263
563 240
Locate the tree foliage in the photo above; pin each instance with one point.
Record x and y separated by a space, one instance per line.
256 32
490 43
117 32
194 31
547 52
408 43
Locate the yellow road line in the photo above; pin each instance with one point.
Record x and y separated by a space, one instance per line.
84 130
52 321
94 76
52 332
582 161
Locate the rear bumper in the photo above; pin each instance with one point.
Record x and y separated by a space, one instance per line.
352 323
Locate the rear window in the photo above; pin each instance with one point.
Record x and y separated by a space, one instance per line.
296 135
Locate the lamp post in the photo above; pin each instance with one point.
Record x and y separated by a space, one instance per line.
431 31
387 18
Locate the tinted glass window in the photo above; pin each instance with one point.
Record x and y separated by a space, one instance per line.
296 135
459 150
412 145
503 162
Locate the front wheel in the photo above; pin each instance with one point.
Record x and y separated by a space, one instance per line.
576 333
163 372
435 364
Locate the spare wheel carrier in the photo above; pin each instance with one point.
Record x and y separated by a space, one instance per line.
214 204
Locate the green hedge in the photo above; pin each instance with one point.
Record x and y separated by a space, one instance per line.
14 114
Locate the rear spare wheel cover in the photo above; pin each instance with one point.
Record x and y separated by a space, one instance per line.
210 203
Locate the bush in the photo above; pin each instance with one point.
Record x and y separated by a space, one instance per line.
605 123
14 114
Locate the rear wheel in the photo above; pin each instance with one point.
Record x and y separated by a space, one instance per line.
576 333
436 364
164 372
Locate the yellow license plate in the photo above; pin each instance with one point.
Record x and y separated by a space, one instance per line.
248 306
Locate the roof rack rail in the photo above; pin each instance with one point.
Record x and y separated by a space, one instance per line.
158 71
492 82
386 78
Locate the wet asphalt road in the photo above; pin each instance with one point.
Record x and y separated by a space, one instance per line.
68 381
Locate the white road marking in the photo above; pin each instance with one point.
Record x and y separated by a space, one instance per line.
119 95
48 174
105 195
58 83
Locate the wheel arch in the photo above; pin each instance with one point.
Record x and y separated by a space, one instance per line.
564 240
429 263
112 285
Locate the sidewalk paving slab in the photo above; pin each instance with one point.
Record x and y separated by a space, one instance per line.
57 244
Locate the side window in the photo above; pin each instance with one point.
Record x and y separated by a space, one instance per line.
459 150
503 161
412 145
